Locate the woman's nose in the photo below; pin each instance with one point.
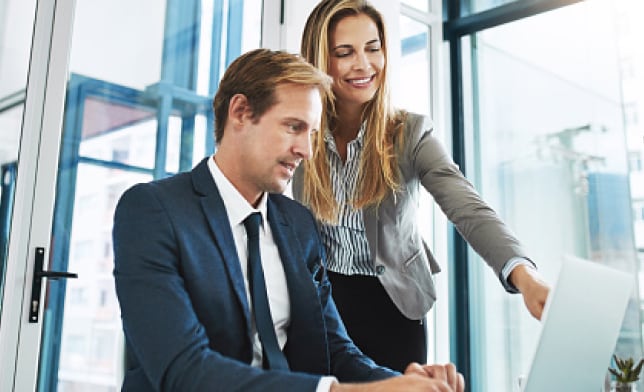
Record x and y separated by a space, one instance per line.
362 61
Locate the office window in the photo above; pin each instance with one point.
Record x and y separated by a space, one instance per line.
16 33
414 92
137 108
638 211
546 148
474 6
77 296
631 115
635 161
627 69
414 89
422 5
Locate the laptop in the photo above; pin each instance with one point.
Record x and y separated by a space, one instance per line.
581 322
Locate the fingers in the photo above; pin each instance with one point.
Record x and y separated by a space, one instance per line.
415 368
460 383
535 298
452 375
436 371
448 374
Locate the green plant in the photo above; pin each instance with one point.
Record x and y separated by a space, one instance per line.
626 370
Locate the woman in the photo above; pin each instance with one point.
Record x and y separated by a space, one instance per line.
362 184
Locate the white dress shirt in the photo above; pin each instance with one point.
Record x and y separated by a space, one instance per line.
238 209
279 303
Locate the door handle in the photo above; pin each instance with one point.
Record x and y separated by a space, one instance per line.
39 274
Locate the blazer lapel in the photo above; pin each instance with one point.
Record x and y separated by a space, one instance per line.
370 216
215 212
306 347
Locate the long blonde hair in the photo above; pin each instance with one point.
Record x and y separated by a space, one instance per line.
378 169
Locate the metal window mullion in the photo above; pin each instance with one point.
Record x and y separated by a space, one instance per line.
468 24
460 342
217 33
35 188
235 26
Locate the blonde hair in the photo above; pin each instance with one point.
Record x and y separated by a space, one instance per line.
256 75
378 169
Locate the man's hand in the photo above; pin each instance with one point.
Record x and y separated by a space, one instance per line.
407 382
446 373
534 290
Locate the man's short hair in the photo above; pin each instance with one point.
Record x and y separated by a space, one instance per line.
256 74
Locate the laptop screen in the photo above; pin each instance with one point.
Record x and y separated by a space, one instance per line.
580 326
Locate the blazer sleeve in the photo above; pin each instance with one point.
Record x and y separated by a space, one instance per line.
474 219
167 340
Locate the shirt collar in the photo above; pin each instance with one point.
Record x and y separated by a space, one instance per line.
236 206
328 137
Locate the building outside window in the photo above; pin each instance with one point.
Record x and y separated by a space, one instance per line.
546 143
138 103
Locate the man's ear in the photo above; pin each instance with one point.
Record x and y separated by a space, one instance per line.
238 109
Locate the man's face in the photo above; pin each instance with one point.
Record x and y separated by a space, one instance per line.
275 144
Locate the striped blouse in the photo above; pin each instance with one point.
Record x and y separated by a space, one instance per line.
346 242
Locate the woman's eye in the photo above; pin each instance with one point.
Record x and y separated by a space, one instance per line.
342 53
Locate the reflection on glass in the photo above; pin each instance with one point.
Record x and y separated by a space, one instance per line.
548 151
91 349
412 84
422 5
137 108
474 6
16 25
11 123
412 93
102 116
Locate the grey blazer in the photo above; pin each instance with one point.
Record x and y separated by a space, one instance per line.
392 232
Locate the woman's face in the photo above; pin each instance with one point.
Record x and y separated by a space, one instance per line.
356 60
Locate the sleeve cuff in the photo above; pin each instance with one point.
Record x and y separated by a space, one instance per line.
324 385
509 266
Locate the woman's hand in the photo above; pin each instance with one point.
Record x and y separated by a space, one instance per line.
535 291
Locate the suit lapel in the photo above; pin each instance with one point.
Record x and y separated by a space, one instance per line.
306 348
215 212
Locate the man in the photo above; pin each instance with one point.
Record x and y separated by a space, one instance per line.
193 312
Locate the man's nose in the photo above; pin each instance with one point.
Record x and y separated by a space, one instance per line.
303 146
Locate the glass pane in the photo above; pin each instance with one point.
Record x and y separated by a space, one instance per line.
16 32
422 5
137 108
412 86
252 34
548 150
129 55
474 6
102 116
412 92
91 348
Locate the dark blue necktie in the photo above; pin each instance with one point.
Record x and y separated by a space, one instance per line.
273 356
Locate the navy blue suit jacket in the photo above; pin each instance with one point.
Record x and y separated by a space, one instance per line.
183 302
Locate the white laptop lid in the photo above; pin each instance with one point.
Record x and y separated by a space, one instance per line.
580 326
